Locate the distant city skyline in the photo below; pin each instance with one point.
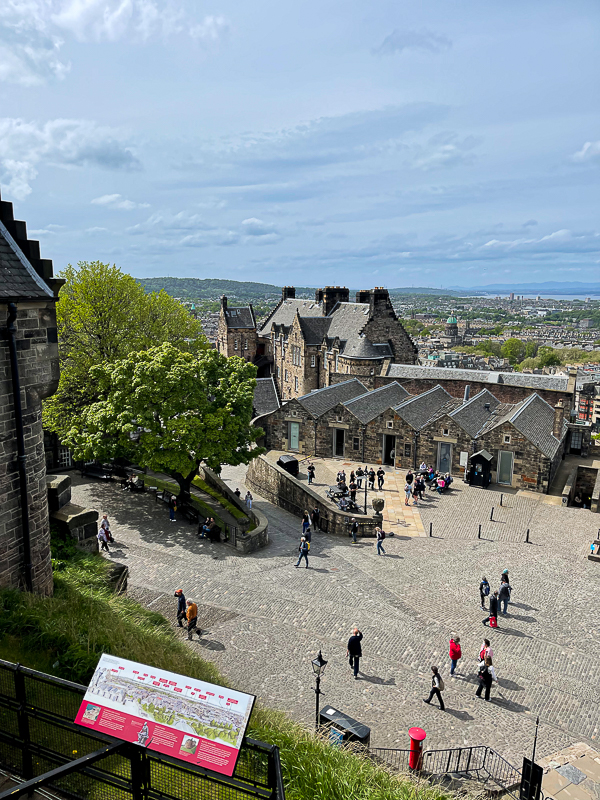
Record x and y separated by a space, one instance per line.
422 144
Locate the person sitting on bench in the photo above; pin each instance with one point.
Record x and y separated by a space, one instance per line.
205 530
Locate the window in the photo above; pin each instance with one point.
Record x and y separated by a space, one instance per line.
339 419
507 439
372 371
347 369
390 424
286 376
278 372
245 344
235 344
446 432
296 384
313 361
407 451
355 443
64 457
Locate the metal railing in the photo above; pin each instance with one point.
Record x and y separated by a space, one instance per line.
479 762
38 735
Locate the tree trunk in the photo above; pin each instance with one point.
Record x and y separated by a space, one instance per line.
185 483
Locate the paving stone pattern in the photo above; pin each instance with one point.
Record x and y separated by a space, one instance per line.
267 620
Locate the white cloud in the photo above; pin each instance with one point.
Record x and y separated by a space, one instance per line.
211 29
589 152
66 143
256 227
444 150
118 201
29 49
398 41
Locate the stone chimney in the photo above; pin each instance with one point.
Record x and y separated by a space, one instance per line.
288 293
224 304
559 415
332 295
467 393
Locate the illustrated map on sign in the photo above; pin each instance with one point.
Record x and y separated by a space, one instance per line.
189 708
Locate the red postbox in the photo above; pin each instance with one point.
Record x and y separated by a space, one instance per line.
417 737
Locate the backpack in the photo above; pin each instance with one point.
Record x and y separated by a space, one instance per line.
486 589
442 685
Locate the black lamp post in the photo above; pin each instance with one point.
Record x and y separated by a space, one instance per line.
366 482
318 665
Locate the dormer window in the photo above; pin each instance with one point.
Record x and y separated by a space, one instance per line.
446 432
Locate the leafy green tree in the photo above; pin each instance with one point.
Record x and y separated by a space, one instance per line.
104 315
548 357
170 411
531 349
513 349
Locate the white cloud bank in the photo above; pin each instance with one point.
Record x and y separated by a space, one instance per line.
117 201
398 41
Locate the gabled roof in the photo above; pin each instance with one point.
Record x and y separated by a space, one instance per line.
348 320
417 411
240 317
314 329
18 279
266 399
370 405
534 418
557 383
284 313
360 347
323 400
472 415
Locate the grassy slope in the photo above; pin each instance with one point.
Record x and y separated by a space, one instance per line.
84 619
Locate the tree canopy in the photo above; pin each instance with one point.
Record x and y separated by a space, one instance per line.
170 411
513 349
104 315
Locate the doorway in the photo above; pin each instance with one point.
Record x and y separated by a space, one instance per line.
389 449
294 436
505 467
576 442
444 460
338 441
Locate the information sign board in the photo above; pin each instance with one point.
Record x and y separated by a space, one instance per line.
185 718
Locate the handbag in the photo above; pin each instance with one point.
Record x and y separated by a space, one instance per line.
493 622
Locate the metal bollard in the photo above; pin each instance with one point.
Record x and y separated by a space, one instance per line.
527 537
430 528
492 514
479 534
501 496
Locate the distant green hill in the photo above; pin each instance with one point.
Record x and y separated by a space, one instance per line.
210 288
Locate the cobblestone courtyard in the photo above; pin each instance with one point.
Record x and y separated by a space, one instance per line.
267 620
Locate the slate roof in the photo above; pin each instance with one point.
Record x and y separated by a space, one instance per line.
18 279
362 348
557 383
472 415
417 411
447 408
266 399
240 317
371 404
347 320
284 313
323 400
314 329
534 418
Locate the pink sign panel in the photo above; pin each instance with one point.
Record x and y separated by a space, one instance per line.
197 722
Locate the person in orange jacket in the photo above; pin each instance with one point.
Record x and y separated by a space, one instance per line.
192 619
455 653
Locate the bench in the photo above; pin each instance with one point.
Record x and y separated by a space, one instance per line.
93 470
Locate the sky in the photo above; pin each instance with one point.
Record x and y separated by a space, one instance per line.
398 143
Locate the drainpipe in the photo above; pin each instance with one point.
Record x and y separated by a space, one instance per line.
315 455
21 458
415 449
364 433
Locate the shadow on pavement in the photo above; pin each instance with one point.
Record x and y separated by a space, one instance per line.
377 680
463 716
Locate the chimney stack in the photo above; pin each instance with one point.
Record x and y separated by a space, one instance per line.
559 415
487 406
288 293
467 393
224 303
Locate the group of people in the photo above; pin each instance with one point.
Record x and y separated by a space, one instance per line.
486 674
426 477
499 599
207 529
187 610
105 536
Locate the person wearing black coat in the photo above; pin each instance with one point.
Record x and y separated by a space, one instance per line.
354 651
493 608
181 606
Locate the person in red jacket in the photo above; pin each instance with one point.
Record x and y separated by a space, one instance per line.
455 653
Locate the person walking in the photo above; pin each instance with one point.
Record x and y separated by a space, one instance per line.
407 493
172 507
455 654
380 539
303 550
353 487
237 493
484 590
485 650
106 525
437 687
353 530
371 478
305 522
354 651
504 596
103 539
359 477
493 617
316 516
409 476
248 499
310 470
192 619
380 478
486 675
181 606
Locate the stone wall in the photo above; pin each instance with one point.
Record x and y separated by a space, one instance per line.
39 372
531 468
240 342
80 523
276 427
443 430
281 489
456 388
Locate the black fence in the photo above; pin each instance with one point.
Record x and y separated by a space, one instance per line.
38 735
479 763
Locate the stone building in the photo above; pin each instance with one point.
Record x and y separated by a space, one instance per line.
236 331
29 371
310 344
